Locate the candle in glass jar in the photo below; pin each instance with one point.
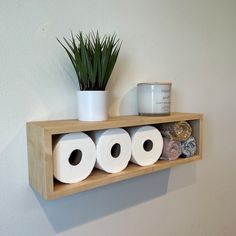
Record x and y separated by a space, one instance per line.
154 98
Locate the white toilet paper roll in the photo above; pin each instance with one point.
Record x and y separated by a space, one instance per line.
147 144
74 157
113 149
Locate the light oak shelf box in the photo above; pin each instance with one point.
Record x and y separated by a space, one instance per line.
40 137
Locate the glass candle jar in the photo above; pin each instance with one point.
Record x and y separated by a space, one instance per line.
154 98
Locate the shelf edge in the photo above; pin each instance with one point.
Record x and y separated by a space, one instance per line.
130 172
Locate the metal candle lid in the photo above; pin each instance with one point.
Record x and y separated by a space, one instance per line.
156 83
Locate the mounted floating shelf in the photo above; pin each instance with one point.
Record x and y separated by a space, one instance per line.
40 136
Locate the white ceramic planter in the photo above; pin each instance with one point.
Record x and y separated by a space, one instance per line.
92 105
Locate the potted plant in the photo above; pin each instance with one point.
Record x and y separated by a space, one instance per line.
93 58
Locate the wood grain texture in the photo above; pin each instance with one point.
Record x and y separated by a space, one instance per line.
69 126
40 137
100 178
40 160
36 158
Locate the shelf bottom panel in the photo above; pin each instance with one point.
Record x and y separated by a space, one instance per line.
100 178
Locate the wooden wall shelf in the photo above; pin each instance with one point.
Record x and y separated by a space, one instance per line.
40 137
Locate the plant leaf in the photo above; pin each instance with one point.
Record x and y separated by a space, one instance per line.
93 58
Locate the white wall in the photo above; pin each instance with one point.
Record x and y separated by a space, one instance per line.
188 42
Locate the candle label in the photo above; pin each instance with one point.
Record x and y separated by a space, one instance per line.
154 98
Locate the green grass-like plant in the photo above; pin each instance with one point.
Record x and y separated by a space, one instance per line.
93 58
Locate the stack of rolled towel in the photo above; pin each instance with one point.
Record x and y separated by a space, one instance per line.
178 140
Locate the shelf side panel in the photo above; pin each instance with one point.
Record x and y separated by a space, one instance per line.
197 134
40 177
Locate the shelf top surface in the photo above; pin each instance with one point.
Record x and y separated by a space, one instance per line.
66 126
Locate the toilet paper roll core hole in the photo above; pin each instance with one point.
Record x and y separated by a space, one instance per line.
75 157
148 145
115 150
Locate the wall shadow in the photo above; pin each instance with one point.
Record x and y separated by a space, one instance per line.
78 209
182 176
